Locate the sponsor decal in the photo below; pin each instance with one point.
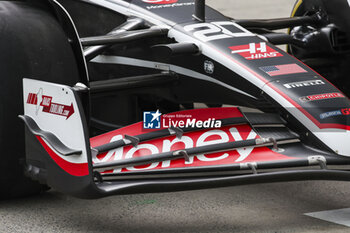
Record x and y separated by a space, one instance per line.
321 97
342 112
255 51
330 114
152 120
32 99
48 106
209 67
160 1
155 120
345 111
283 69
194 139
160 4
304 84
204 137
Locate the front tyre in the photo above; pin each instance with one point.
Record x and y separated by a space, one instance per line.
32 45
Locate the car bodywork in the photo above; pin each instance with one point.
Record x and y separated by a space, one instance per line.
141 55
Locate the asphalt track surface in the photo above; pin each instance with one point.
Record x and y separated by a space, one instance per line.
254 208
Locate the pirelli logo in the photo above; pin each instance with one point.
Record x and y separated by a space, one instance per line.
307 83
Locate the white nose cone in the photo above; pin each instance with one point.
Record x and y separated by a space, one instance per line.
336 139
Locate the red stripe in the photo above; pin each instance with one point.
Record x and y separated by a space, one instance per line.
307 114
74 169
35 99
29 98
32 98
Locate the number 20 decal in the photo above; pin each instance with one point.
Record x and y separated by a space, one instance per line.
216 31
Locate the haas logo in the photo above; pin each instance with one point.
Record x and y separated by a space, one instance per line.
255 51
160 1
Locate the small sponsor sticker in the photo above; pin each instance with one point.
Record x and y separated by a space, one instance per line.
321 97
156 6
278 70
307 83
255 51
330 114
345 111
48 106
342 112
160 1
152 120
209 67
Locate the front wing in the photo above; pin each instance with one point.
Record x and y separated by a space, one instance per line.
227 147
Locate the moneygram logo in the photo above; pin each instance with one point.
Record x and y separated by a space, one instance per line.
155 120
160 1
